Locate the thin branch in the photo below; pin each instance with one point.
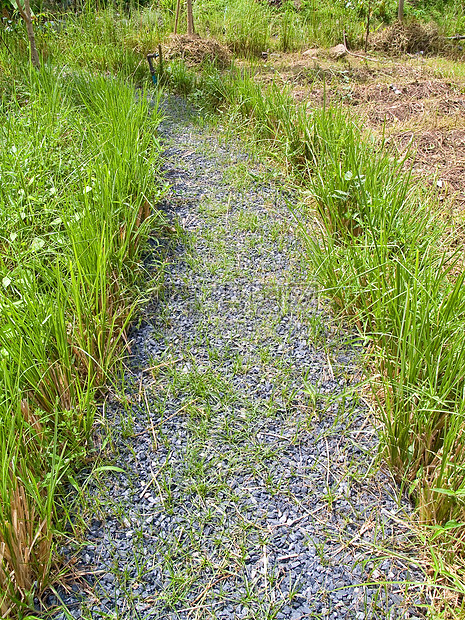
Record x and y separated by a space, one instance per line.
6 45
26 15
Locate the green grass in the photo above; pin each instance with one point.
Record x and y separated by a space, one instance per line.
78 155
380 251
381 257
117 38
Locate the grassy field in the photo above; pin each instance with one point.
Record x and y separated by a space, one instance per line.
78 161
78 153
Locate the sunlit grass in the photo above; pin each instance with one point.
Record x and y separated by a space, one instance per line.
381 252
78 155
446 67
77 159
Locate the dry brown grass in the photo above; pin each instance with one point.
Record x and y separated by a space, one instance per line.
25 546
195 51
401 99
409 38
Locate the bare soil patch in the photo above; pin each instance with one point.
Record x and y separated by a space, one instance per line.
414 91
438 157
405 100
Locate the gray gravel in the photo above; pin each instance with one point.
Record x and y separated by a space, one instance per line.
251 489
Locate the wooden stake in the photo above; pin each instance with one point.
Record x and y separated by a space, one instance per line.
176 19
27 18
190 18
368 27
400 11
160 61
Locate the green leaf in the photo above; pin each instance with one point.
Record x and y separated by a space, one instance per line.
450 492
340 195
108 468
37 244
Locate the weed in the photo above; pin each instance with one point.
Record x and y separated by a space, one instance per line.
80 156
381 254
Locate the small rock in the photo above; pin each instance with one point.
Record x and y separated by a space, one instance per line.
338 51
312 52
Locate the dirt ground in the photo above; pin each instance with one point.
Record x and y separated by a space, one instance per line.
413 101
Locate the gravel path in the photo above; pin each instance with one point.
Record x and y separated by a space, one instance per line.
249 491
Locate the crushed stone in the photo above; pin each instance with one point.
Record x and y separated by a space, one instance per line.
248 489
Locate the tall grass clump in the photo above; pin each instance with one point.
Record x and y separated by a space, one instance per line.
382 257
247 27
292 29
105 41
78 159
102 41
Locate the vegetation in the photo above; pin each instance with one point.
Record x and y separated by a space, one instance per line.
122 33
382 253
78 160
77 155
